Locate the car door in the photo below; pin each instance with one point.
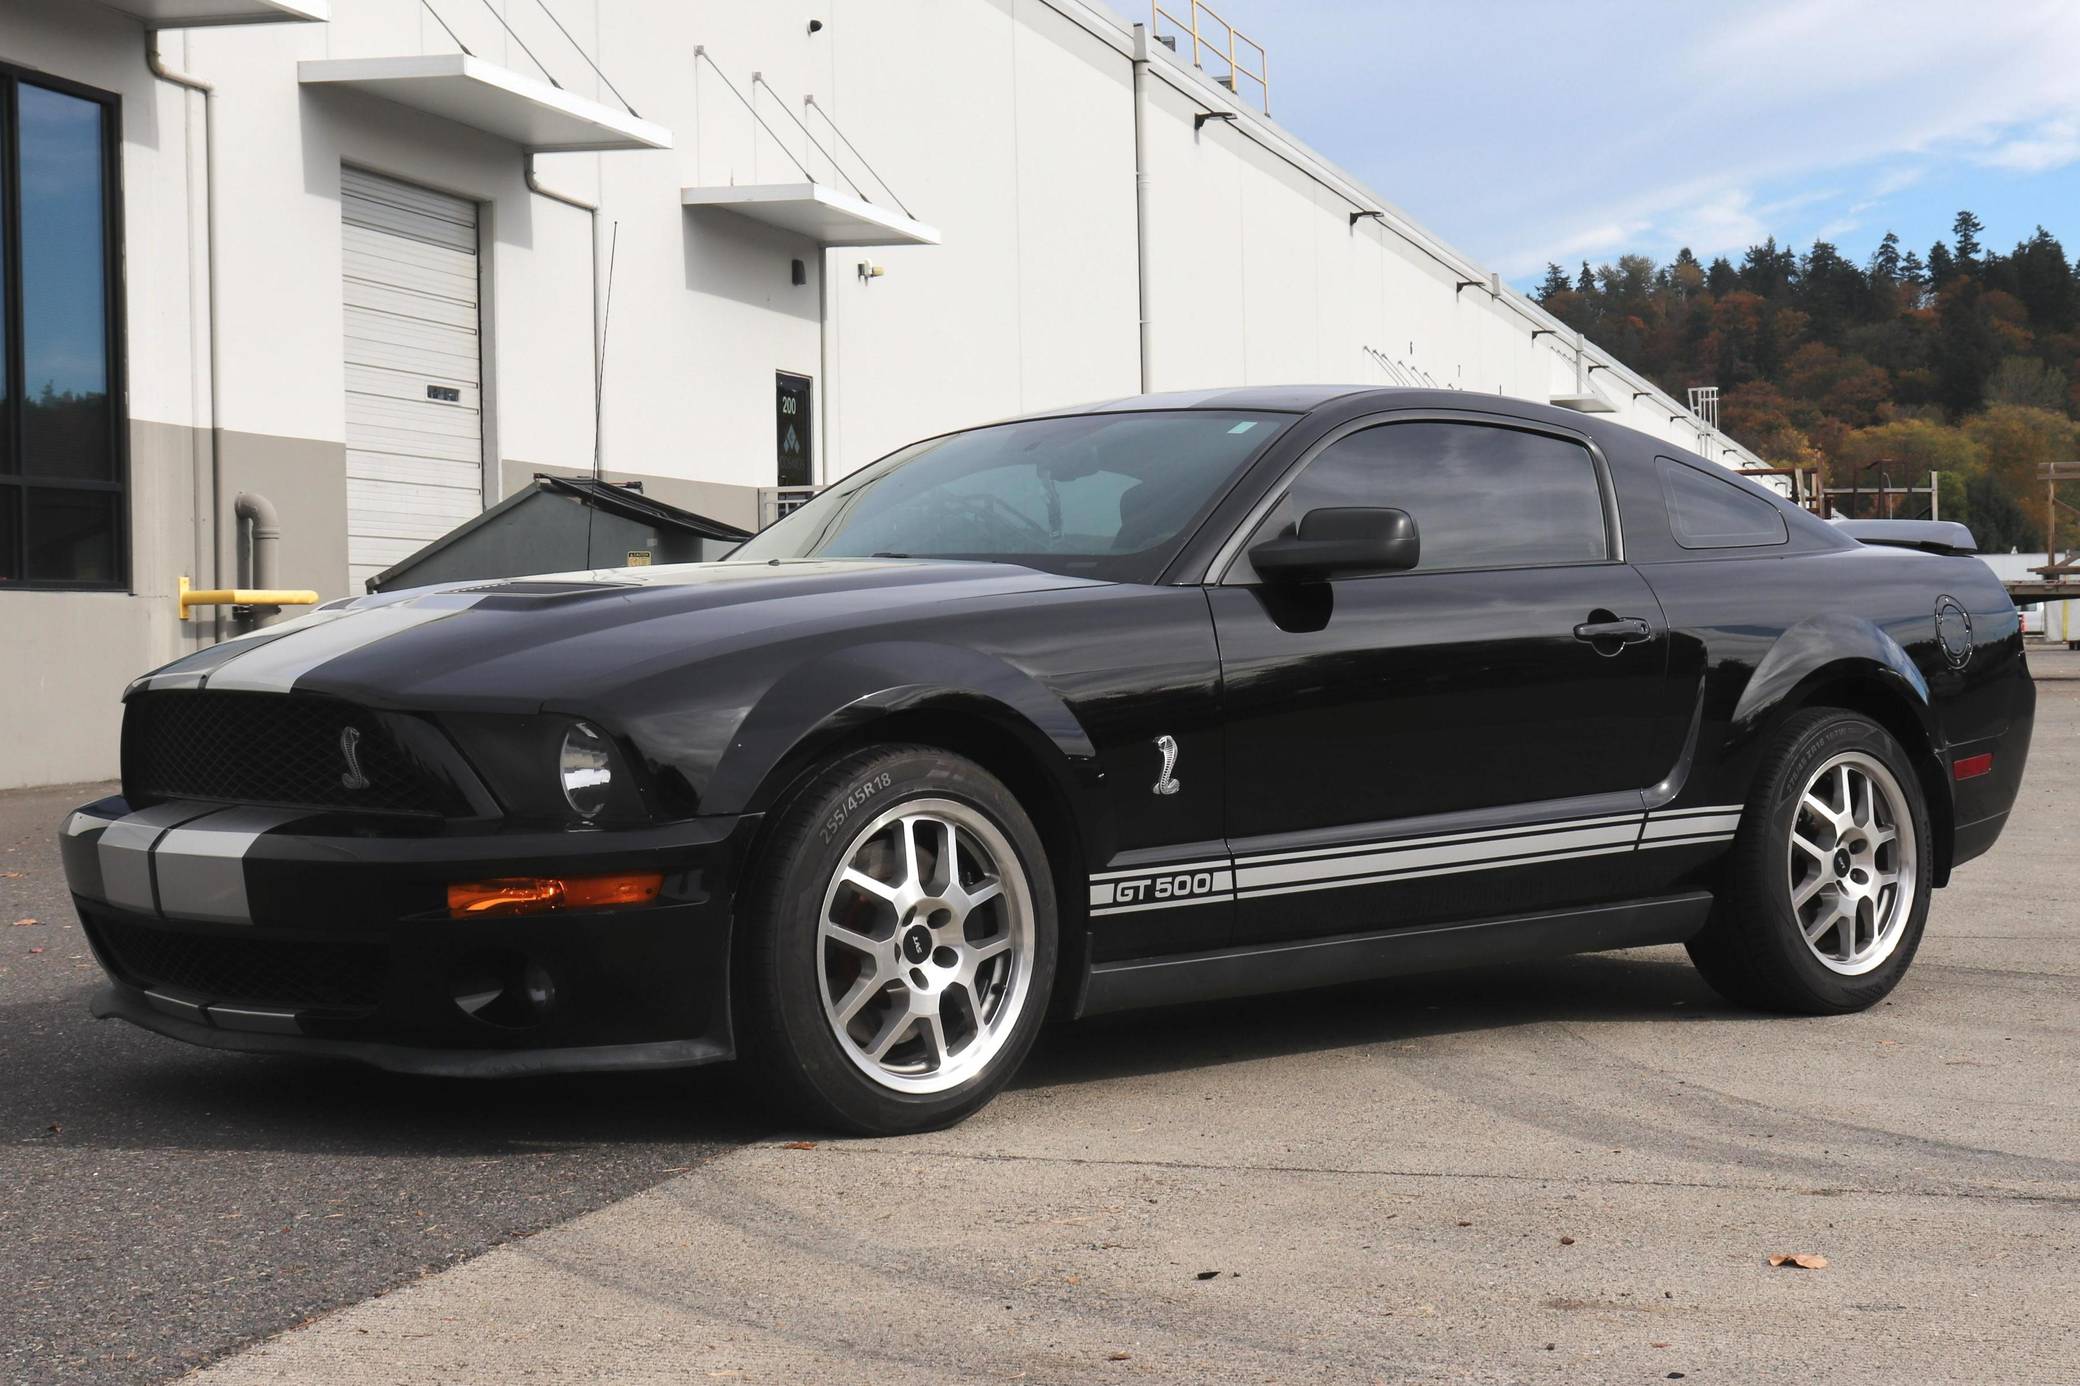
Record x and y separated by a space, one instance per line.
1467 738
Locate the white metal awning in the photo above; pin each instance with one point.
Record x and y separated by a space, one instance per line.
494 99
817 211
189 14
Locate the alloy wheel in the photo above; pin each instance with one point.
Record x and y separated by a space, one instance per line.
925 946
1852 863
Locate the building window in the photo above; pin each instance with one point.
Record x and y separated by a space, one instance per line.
62 457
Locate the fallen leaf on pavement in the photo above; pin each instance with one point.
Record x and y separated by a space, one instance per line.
1567 1241
1119 1357
1206 1275
799 1145
36 950
1803 1260
25 923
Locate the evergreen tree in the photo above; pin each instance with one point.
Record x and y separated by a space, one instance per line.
1941 268
1969 347
1966 229
1885 261
1586 285
2036 273
1555 283
1720 279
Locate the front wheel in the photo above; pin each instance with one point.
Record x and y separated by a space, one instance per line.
898 942
1827 888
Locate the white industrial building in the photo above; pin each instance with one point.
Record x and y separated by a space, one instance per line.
345 255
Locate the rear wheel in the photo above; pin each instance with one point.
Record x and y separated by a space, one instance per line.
1827 889
899 942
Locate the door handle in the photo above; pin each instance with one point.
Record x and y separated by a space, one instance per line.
1625 630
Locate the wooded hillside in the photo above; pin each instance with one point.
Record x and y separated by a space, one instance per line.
1960 360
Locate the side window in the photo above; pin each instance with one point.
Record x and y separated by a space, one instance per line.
1707 513
1481 496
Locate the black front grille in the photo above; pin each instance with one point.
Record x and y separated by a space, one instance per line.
314 974
277 749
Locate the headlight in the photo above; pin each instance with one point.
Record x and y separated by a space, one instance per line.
586 770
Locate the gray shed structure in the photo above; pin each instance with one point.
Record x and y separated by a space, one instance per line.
560 525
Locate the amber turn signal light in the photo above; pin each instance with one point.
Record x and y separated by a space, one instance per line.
539 894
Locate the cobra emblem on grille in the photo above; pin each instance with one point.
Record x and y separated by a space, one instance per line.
350 751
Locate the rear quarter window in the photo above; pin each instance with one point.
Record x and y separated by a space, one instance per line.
1708 513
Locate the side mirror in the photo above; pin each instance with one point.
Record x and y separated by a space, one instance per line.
1341 542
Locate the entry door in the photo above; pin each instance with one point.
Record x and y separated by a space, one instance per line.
415 423
1440 743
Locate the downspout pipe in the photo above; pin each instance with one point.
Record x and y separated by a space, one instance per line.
208 475
257 562
1141 246
539 189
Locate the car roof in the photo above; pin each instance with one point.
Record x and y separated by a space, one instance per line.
1291 398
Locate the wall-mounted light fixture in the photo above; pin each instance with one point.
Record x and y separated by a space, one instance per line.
1380 217
1199 120
1538 332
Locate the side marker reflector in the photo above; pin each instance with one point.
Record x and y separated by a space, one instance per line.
540 894
1972 767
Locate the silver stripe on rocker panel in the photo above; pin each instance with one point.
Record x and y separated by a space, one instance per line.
1631 820
1395 860
201 865
1459 868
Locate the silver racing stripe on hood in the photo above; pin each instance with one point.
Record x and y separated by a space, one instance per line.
274 667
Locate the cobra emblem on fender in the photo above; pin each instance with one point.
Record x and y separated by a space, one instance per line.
1168 746
350 750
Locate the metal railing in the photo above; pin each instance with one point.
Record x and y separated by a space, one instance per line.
1204 42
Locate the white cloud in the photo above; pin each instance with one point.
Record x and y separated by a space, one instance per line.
2054 144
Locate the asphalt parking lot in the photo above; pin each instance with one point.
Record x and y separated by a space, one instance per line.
1573 1172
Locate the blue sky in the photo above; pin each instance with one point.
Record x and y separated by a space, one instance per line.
1531 131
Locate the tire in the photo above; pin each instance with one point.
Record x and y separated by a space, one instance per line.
856 938
1805 921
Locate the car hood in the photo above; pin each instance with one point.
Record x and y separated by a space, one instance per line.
522 643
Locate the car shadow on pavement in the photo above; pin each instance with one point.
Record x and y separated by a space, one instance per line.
115 1087
110 1085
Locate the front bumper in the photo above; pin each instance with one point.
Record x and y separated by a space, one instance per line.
265 931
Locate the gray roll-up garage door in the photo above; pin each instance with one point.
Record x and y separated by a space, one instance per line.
415 423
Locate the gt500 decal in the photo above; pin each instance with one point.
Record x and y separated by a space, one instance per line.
1155 888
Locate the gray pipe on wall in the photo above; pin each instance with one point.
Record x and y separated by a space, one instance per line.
257 559
208 479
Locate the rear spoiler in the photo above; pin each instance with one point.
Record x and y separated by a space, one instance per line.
1930 536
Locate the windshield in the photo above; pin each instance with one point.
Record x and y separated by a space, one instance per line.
1092 495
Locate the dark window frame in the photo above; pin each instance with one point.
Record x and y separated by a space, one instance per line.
20 481
1232 567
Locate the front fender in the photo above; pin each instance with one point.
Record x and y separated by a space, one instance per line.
826 702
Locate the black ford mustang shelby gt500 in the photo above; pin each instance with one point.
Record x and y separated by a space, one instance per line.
1174 697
